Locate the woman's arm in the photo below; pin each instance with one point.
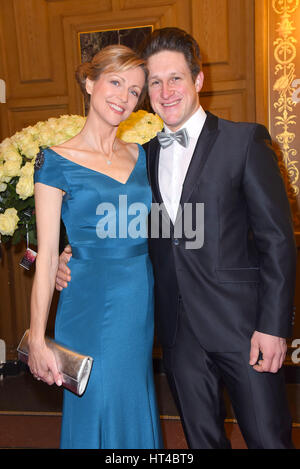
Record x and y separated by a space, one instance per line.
48 202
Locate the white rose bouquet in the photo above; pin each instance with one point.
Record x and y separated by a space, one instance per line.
17 158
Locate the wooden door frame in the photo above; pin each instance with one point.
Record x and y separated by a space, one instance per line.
261 62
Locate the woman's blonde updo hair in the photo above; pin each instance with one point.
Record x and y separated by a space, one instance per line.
114 58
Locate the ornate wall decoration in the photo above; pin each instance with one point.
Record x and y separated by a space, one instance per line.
284 60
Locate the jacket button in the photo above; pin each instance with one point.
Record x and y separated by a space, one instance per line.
176 242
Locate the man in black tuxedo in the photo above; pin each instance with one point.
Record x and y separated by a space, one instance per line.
223 306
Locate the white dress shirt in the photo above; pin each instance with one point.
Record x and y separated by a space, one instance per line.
174 162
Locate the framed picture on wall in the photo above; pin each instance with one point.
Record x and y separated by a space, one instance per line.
92 42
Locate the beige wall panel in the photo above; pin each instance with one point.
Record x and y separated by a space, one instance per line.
129 4
44 80
24 112
21 119
184 15
181 9
32 40
227 106
225 32
3 76
211 21
261 62
79 6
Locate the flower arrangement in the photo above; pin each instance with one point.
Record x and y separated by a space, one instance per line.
17 158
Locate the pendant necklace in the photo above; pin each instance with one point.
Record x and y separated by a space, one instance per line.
109 159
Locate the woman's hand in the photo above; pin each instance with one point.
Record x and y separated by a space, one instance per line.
43 365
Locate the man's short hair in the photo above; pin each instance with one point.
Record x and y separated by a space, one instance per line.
176 40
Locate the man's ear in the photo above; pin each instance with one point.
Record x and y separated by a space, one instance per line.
199 82
89 85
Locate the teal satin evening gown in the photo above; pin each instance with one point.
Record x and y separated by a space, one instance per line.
107 309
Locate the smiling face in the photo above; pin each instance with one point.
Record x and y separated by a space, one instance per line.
173 92
114 95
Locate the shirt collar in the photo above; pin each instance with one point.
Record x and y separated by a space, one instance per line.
194 124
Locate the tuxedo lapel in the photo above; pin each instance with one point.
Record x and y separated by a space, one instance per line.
202 151
153 161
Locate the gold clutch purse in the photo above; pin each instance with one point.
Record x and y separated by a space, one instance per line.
74 367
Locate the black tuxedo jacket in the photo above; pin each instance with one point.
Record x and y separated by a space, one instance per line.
242 279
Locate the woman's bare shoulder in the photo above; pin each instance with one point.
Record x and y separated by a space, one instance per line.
131 148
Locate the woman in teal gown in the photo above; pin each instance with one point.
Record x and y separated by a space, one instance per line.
99 186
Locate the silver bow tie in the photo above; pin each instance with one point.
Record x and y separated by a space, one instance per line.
167 139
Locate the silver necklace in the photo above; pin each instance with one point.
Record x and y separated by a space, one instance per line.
109 159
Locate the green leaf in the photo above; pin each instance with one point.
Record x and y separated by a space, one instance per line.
17 237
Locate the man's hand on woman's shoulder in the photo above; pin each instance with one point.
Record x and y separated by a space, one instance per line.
63 275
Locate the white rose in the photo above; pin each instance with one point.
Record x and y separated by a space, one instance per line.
12 154
8 221
30 149
27 169
25 187
6 142
11 168
46 137
3 177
